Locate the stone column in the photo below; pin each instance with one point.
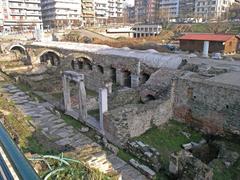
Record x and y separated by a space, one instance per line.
205 48
135 78
119 77
66 94
82 97
134 81
103 106
108 85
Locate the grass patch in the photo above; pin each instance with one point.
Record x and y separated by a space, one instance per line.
27 89
168 139
71 121
200 28
233 172
124 155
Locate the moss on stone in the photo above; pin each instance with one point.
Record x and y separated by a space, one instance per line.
168 138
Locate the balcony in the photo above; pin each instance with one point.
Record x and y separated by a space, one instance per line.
33 8
11 6
18 1
17 13
33 1
33 13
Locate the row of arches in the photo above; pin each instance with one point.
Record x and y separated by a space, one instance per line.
51 57
86 64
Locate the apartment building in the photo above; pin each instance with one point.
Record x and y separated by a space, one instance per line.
186 8
101 11
144 10
88 12
167 8
59 13
129 13
115 11
151 11
20 15
1 16
212 9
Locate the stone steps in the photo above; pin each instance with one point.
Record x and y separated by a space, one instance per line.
63 134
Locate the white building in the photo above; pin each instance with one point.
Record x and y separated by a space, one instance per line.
1 16
115 10
19 15
211 9
101 11
108 10
146 30
59 13
169 8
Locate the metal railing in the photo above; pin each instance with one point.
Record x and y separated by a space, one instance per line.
20 164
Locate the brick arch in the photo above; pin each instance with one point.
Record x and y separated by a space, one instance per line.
81 60
80 56
56 55
48 50
18 47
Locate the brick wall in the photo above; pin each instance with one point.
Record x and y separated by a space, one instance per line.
212 107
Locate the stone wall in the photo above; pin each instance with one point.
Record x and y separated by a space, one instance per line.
159 85
132 120
122 97
212 107
104 68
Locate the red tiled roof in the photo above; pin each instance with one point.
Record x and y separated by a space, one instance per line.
207 37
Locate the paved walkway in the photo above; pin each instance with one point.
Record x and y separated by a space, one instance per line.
64 135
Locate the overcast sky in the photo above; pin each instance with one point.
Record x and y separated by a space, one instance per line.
130 1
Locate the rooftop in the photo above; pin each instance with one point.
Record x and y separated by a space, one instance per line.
207 37
150 57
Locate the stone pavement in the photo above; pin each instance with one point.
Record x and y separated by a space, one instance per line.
64 135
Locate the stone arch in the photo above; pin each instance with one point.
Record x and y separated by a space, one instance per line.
49 57
81 61
18 47
80 56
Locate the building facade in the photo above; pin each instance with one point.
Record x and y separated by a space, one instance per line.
215 43
88 12
141 10
19 15
115 11
142 30
208 9
1 16
186 8
167 8
101 11
129 14
58 13
152 11
145 11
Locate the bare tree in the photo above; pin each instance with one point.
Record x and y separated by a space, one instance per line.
163 16
234 11
219 26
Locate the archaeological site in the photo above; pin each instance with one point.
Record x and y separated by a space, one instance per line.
129 114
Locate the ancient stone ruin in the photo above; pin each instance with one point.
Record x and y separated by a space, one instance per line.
122 93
